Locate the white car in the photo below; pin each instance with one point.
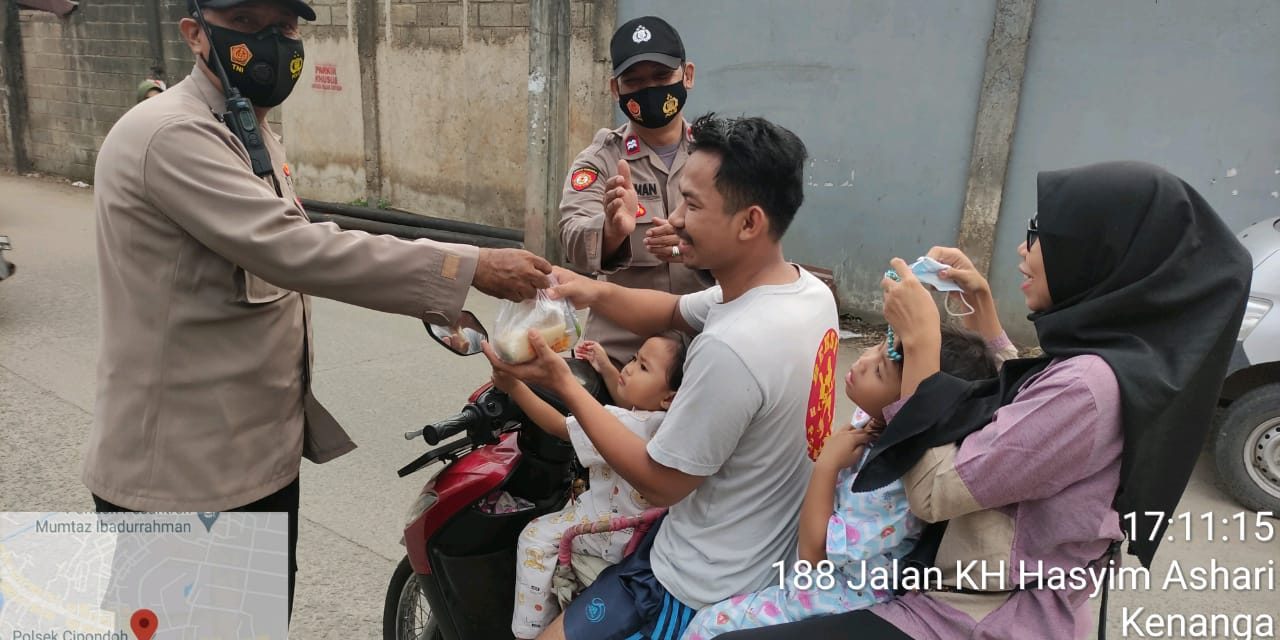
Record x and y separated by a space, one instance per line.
1246 439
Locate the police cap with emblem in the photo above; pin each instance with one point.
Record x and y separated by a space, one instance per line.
650 39
299 7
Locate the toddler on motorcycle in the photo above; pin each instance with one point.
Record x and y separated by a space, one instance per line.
842 547
642 392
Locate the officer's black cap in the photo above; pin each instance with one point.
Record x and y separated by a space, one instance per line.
649 38
299 7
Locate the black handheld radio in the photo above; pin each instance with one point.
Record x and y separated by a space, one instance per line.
240 116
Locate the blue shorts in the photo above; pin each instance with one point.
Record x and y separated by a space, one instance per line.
628 603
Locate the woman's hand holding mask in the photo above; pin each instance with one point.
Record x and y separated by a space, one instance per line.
912 313
976 292
961 271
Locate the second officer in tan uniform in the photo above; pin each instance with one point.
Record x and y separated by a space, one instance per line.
620 190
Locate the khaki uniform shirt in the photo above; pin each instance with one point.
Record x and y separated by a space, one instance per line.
203 399
582 225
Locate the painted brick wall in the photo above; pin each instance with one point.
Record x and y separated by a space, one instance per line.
81 73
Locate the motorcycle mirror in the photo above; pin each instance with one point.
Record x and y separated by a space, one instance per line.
463 338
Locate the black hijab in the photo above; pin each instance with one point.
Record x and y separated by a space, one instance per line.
1144 274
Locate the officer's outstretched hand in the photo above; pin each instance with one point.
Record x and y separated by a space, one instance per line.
621 204
510 274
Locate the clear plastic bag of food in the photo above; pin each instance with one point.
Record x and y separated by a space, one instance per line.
554 319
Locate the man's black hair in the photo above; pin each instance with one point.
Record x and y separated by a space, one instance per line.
761 163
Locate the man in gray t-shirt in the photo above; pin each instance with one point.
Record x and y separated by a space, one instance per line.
730 458
739 421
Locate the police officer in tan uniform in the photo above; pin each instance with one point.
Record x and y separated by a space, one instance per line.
620 190
204 400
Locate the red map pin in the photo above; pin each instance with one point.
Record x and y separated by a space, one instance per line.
144 623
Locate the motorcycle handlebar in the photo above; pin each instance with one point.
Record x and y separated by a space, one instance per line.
449 427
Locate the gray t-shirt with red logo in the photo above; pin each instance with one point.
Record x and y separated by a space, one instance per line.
759 372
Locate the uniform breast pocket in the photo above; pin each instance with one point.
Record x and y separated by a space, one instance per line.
255 290
640 254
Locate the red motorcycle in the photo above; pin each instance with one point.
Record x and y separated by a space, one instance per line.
457 580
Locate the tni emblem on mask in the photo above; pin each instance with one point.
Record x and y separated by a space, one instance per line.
240 56
633 108
295 67
671 106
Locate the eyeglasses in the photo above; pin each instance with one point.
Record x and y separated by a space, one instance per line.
1033 232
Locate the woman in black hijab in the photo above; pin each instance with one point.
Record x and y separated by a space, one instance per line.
1136 289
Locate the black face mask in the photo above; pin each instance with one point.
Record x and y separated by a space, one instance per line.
654 107
264 66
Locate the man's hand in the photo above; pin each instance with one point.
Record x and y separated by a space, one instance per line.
661 239
546 370
621 206
580 291
510 274
844 447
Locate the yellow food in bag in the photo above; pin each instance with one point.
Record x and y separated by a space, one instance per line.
514 348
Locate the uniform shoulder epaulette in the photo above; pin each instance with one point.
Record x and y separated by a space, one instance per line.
602 138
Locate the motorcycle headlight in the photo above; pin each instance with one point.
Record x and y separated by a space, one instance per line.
420 506
1254 311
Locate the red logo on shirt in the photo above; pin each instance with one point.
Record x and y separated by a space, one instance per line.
633 145
641 211
583 178
822 394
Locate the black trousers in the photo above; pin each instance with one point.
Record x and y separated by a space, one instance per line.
854 625
285 500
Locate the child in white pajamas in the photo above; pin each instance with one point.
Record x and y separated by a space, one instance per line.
642 392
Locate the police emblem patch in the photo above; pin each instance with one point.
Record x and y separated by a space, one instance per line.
633 108
671 106
641 35
633 145
640 211
583 178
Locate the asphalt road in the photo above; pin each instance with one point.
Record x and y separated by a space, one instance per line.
380 375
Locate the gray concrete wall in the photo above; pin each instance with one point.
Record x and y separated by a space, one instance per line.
451 94
884 95
1193 86
451 85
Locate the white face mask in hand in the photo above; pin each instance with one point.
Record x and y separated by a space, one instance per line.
926 270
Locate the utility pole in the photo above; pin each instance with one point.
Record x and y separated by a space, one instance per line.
993 132
549 39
